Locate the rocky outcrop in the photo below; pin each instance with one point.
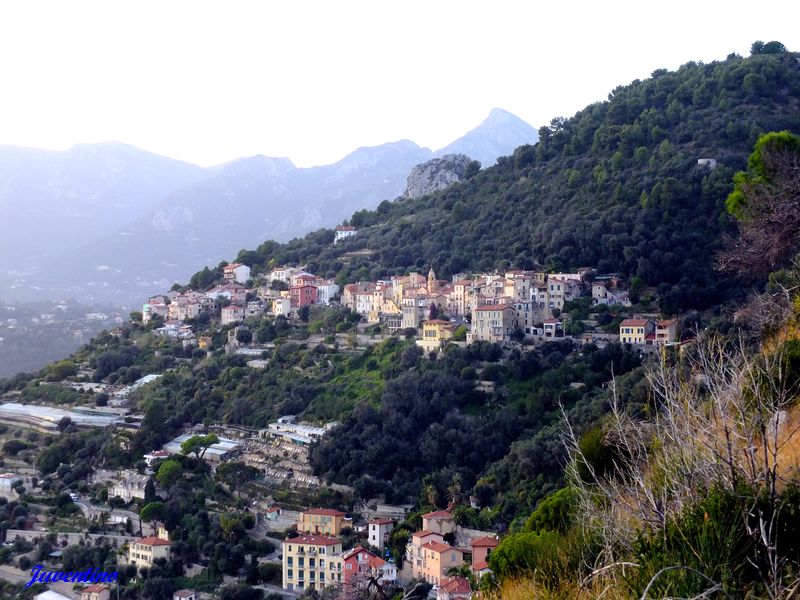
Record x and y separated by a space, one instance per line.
436 174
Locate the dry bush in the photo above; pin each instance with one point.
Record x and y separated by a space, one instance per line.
721 420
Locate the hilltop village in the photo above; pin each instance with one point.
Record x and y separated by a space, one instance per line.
302 546
491 307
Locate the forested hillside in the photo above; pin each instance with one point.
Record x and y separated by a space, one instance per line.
617 187
582 453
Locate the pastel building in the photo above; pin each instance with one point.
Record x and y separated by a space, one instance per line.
378 531
311 562
321 521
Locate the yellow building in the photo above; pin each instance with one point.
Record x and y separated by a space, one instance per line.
434 332
635 331
437 559
312 561
321 521
143 552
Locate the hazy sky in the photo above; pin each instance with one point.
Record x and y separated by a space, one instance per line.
208 82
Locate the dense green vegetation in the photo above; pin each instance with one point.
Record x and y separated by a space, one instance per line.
617 187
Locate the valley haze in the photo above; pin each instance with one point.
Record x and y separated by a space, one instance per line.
112 222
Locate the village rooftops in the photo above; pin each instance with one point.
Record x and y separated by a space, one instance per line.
425 533
485 542
438 547
381 521
95 589
438 514
313 540
456 585
153 541
634 323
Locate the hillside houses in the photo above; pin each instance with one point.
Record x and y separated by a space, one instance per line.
492 307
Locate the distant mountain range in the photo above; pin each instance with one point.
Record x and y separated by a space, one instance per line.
110 222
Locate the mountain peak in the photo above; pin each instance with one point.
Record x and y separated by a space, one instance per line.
498 135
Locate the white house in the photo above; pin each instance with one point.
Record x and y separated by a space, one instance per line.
236 272
343 232
326 290
281 306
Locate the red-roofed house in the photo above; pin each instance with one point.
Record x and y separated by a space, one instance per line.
378 532
635 331
236 272
481 549
303 295
454 588
311 561
95 592
343 232
439 521
666 332
142 553
184 595
437 559
360 561
321 521
419 539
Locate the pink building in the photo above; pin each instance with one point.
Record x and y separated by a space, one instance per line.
303 295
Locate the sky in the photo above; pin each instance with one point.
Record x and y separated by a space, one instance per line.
208 82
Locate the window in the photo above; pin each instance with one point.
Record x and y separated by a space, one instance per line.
300 561
289 574
289 560
311 562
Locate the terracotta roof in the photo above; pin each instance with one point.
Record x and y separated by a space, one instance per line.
456 585
96 589
325 512
355 551
375 562
183 593
484 542
345 228
153 541
314 540
667 322
439 547
438 322
480 565
438 514
634 323
551 321
380 521
425 533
